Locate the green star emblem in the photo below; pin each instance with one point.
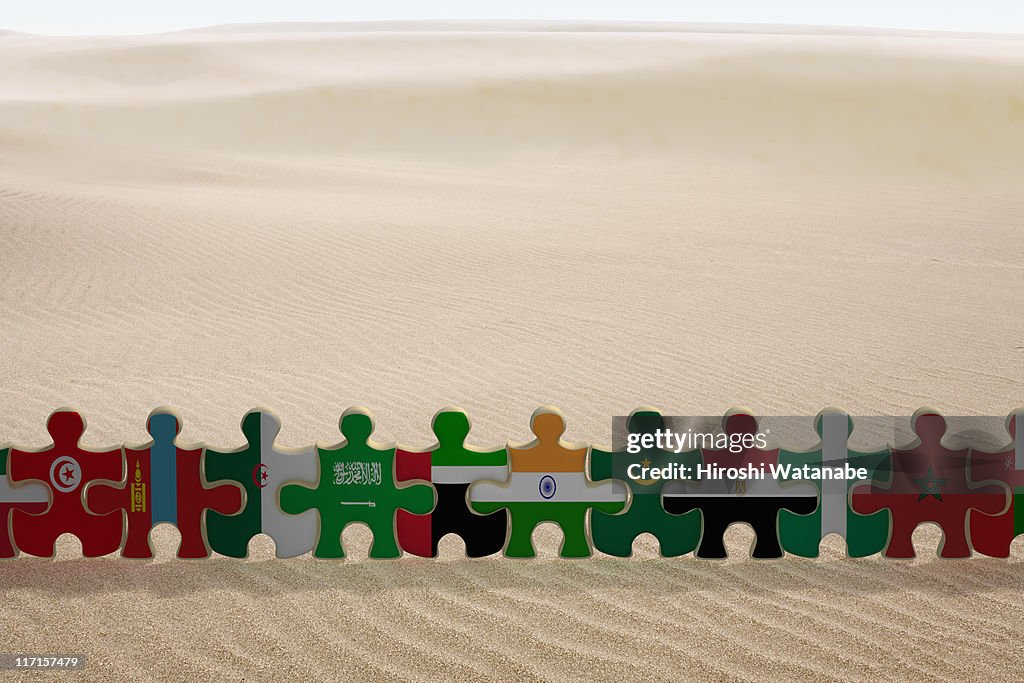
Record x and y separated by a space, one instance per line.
930 486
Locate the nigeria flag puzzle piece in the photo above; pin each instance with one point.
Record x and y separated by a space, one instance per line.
801 534
547 482
451 466
614 534
929 483
357 484
164 485
262 468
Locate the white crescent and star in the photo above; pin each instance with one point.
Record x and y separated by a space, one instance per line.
65 474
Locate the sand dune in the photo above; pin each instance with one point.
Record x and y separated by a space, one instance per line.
406 219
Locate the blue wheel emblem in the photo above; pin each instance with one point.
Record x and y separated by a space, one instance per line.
547 487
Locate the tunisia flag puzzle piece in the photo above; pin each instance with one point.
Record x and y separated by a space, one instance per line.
66 468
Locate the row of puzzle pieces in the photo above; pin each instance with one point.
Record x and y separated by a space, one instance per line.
304 498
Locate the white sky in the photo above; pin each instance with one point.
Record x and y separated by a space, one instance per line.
148 16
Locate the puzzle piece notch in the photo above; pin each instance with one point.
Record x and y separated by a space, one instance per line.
990 534
548 483
756 502
357 484
451 466
864 534
67 469
614 534
169 489
928 483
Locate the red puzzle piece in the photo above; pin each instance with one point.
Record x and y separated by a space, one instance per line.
929 483
165 485
993 534
66 468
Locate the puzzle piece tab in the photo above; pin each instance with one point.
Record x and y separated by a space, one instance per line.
548 483
357 484
928 483
757 502
864 534
451 467
66 468
614 534
164 485
261 467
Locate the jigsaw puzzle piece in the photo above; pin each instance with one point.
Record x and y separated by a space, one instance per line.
67 469
230 534
261 467
357 484
548 483
451 467
724 502
993 534
30 498
614 534
864 534
928 484
164 486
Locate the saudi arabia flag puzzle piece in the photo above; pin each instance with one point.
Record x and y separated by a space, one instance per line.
357 484
548 483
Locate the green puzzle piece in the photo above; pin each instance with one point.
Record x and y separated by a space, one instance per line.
230 534
614 534
865 534
547 483
357 484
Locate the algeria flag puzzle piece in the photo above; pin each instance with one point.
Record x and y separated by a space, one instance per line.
357 484
451 466
548 483
261 468
864 534
164 485
614 534
66 468
929 483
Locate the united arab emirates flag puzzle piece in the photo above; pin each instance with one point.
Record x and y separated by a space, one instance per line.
993 534
548 483
30 498
451 466
67 469
357 484
164 485
864 534
614 534
261 468
928 483
757 502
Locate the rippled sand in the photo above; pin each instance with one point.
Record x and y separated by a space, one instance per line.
311 219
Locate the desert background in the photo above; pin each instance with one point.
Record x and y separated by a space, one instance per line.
599 217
